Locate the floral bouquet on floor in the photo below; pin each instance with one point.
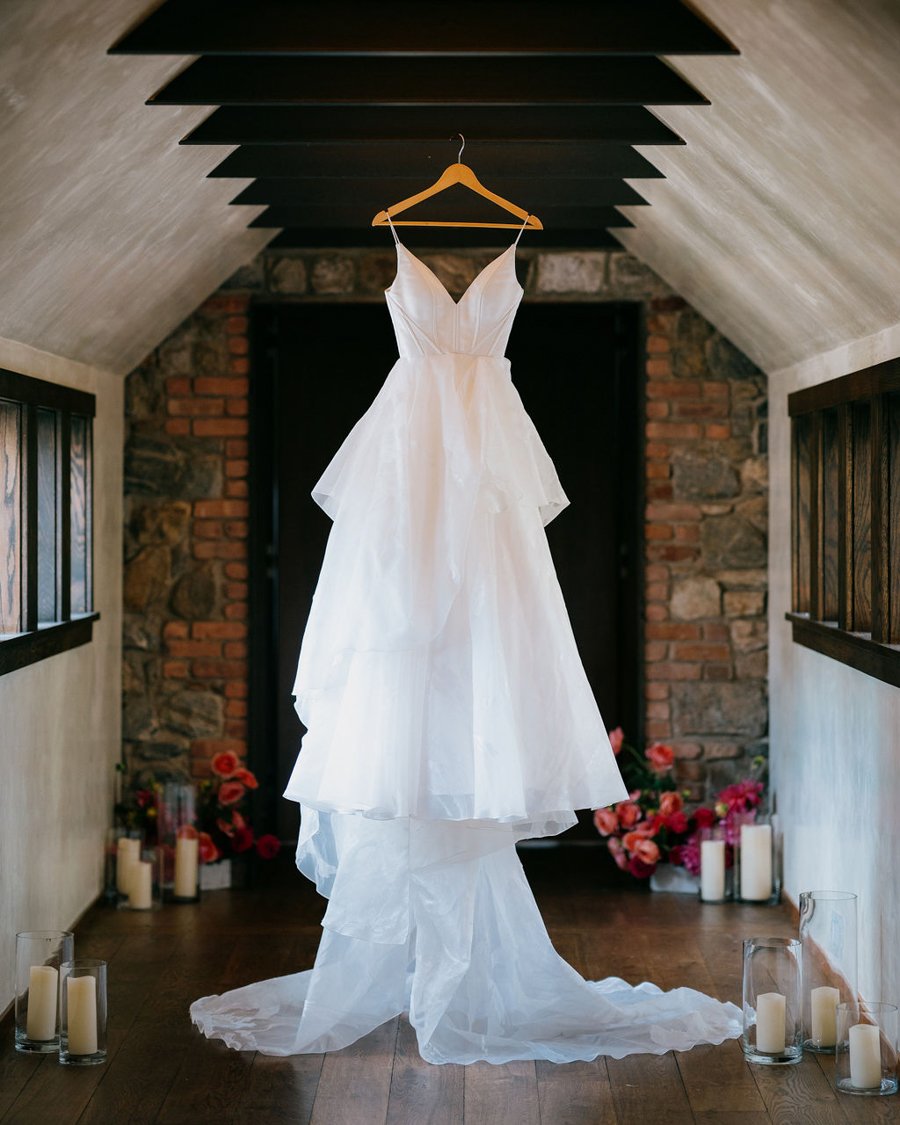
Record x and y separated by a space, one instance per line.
223 827
653 826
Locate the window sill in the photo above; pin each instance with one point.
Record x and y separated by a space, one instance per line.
21 649
856 649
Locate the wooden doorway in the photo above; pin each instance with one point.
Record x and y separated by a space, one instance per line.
316 370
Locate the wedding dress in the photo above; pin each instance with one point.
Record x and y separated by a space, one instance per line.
448 716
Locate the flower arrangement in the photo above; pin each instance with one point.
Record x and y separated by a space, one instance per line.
224 830
653 826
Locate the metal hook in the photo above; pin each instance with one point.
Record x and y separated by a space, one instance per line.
461 147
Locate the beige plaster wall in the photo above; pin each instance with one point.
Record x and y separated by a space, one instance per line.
60 718
834 732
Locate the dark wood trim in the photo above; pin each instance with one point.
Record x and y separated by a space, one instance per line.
858 650
867 383
845 517
29 484
64 517
879 445
28 648
38 392
816 520
435 238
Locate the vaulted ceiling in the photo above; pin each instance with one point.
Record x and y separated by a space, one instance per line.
764 186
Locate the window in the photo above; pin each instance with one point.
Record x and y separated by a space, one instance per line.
46 595
845 467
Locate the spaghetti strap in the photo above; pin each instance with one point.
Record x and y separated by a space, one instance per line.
394 229
521 228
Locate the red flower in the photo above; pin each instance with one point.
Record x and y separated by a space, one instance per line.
616 738
224 827
230 792
209 853
237 820
268 846
242 840
670 802
605 821
246 777
678 822
660 757
676 855
704 817
639 869
224 764
628 813
187 832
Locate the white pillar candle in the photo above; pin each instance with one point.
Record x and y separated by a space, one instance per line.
823 1005
42 985
770 1007
712 870
186 857
81 1015
128 852
756 862
865 1056
140 892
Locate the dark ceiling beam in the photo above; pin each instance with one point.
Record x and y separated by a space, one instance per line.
421 163
531 193
440 238
522 82
361 27
359 217
232 125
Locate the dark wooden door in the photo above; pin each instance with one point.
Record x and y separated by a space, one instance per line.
319 367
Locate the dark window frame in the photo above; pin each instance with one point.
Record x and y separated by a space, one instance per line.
845 519
36 641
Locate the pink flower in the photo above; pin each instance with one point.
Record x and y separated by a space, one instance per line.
660 757
617 852
230 792
704 817
616 738
628 813
605 821
209 853
268 846
646 851
224 764
670 802
690 855
248 778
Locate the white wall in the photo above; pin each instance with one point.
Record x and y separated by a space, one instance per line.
60 718
835 733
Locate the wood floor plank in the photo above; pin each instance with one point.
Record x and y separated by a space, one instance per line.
648 1088
16 1071
423 1094
798 1094
355 1083
575 1093
718 1080
501 1093
281 1091
858 1109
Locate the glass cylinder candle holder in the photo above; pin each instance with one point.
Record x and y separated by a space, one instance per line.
772 1012
828 937
755 861
128 853
714 871
866 1051
144 882
39 954
177 814
82 1007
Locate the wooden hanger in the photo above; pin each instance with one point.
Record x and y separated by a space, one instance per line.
457 173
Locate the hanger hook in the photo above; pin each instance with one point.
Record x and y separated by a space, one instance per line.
461 147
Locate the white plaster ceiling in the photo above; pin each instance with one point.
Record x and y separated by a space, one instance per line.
780 218
109 233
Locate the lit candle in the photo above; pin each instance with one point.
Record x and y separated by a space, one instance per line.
865 1056
140 892
186 857
128 852
824 1002
712 870
81 1016
770 1008
42 985
756 862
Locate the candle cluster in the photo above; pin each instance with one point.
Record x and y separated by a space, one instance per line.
175 868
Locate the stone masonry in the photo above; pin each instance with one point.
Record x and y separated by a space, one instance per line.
187 461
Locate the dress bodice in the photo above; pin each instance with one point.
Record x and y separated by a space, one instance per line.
427 321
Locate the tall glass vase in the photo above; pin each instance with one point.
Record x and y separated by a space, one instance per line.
828 938
177 813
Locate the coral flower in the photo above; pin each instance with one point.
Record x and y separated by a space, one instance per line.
628 813
230 792
616 738
209 853
187 832
646 851
631 840
268 846
670 802
224 764
605 821
246 777
660 757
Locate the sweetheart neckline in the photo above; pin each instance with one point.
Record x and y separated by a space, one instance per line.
443 288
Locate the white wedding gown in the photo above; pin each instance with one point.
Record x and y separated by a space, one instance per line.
448 715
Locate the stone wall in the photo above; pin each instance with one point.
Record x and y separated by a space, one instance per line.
186 510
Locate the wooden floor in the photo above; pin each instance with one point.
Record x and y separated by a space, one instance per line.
161 1070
